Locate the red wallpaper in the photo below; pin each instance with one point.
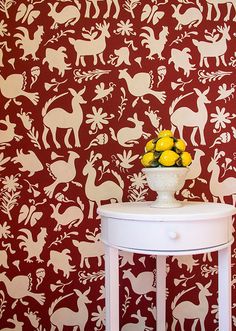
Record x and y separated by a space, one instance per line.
83 85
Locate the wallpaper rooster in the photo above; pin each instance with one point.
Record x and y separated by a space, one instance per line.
33 247
29 46
155 46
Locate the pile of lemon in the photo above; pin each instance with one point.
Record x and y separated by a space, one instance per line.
166 151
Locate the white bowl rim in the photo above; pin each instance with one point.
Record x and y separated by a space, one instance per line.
152 169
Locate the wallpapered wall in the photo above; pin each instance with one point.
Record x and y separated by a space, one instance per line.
83 85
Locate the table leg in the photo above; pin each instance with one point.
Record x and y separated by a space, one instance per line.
112 288
161 293
224 296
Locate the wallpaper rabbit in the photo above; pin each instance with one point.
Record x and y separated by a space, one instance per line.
83 85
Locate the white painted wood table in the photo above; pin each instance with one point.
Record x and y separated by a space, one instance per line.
194 228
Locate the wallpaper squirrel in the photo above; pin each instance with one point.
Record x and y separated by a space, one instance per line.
83 85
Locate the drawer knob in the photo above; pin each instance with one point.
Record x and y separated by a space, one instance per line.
173 235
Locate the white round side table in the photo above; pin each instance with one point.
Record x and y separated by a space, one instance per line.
194 228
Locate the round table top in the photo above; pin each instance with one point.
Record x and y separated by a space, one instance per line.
187 211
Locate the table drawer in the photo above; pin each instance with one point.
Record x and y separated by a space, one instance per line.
166 235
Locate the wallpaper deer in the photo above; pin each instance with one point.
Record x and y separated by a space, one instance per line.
84 84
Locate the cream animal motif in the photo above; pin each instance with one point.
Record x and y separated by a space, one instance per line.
153 117
124 161
67 317
142 284
215 3
71 216
128 136
94 47
8 134
18 326
98 192
18 81
138 326
94 3
122 55
140 85
56 59
155 46
59 118
90 249
29 46
191 17
109 3
20 287
3 259
29 214
181 60
33 318
217 49
4 49
62 172
102 92
61 261
27 13
226 93
186 260
29 162
186 117
117 8
188 310
69 15
220 188
195 168
33 247
26 119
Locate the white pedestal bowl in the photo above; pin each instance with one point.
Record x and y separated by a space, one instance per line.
166 182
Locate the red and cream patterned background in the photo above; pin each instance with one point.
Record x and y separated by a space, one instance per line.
84 85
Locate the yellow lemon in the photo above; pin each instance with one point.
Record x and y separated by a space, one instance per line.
186 159
164 143
168 158
180 145
165 133
150 145
147 159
